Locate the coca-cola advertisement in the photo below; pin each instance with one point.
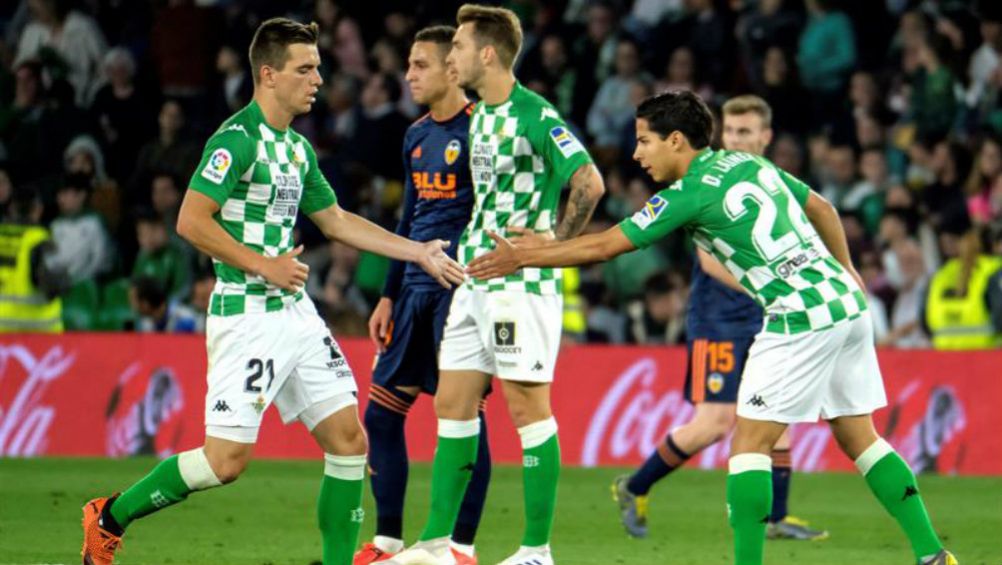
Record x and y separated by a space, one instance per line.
129 394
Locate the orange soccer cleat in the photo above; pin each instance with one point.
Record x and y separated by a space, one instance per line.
99 545
463 559
370 554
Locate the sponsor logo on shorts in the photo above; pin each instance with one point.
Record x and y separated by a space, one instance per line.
221 406
504 338
337 358
538 366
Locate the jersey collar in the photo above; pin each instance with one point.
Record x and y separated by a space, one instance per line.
700 163
258 115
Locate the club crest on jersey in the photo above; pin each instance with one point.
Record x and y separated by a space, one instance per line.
452 151
650 212
565 140
218 164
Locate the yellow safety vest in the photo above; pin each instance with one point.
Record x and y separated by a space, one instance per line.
574 318
962 322
22 307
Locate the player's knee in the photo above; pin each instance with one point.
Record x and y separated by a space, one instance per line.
347 440
454 408
228 468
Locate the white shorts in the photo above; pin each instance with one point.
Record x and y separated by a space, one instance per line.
288 358
801 377
514 335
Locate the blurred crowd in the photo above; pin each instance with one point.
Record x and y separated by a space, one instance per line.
888 108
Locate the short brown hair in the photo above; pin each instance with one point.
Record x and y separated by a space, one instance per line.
749 103
272 38
497 27
439 35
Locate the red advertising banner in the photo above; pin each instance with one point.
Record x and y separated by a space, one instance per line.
125 394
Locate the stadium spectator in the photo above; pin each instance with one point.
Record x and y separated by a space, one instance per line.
341 39
165 195
770 27
838 175
984 71
594 52
236 86
84 156
123 113
909 280
961 297
334 286
779 87
933 103
659 318
201 294
155 313
879 293
83 248
67 42
711 42
984 185
30 281
680 74
182 63
556 75
613 107
380 120
943 201
171 151
6 191
826 56
787 154
161 258
868 194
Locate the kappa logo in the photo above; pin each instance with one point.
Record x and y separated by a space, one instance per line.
237 127
650 212
910 491
757 402
538 366
221 406
452 151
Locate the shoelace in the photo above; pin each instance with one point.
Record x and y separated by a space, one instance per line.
108 546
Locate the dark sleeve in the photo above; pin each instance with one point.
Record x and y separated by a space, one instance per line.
923 304
395 276
51 282
994 299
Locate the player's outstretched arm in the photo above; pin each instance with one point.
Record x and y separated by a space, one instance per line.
508 257
354 230
195 223
824 217
717 270
587 188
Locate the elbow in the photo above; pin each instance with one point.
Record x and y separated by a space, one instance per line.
184 227
596 190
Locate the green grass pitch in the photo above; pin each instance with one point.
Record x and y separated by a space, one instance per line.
268 517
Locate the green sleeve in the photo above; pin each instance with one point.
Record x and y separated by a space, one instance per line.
665 212
227 156
317 192
798 187
561 150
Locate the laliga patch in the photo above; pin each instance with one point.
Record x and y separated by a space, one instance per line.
650 212
565 140
219 163
452 151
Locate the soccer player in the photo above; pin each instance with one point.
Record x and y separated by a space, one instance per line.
408 321
266 344
521 155
721 325
761 230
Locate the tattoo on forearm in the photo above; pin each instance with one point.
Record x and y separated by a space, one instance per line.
580 205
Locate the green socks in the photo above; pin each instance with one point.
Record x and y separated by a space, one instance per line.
540 472
455 457
170 482
339 507
894 485
749 503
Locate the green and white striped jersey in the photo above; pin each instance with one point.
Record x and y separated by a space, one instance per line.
260 177
521 155
749 214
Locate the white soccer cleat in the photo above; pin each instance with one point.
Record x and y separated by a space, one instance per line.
530 556
431 552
